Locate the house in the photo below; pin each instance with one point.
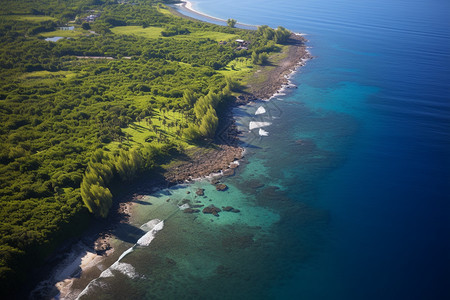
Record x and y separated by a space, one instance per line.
243 45
91 18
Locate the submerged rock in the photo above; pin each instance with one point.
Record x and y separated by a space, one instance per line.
200 192
197 205
228 172
212 210
221 187
254 184
230 209
191 211
215 181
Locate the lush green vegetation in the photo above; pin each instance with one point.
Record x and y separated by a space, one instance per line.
84 114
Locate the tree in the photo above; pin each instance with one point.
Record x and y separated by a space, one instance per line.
86 26
189 98
282 35
231 23
209 123
255 58
263 58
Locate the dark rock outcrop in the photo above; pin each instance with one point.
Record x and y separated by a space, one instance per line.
212 210
200 192
230 209
221 187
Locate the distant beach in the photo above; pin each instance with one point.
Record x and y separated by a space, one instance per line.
188 7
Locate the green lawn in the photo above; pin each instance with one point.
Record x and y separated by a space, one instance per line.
213 35
238 69
44 77
149 32
144 133
155 32
164 10
30 18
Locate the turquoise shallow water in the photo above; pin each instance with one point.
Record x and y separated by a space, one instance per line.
348 195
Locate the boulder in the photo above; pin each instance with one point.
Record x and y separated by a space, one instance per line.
200 192
228 172
215 181
212 210
221 187
197 205
230 209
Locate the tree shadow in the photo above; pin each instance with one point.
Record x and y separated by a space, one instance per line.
128 233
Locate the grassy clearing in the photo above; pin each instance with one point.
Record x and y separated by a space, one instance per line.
47 74
162 126
44 77
149 32
213 35
239 69
30 18
259 77
155 32
164 10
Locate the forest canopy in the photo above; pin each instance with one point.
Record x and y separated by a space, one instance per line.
66 107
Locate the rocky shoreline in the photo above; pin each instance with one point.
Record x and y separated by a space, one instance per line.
279 76
218 158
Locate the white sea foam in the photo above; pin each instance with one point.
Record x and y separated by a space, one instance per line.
107 273
184 206
150 224
147 238
153 226
126 253
261 110
262 132
93 283
254 125
123 268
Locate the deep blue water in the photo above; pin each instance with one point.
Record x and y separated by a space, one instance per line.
386 65
356 167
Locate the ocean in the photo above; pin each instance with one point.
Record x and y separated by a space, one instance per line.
345 192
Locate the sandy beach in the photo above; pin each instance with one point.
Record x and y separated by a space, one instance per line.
188 6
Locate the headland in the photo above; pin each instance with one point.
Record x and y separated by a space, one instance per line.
218 159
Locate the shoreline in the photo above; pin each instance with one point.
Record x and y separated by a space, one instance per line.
95 247
187 5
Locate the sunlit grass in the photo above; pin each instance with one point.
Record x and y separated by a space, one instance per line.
152 32
149 32
259 77
238 69
44 77
213 35
30 18
65 33
164 10
163 126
